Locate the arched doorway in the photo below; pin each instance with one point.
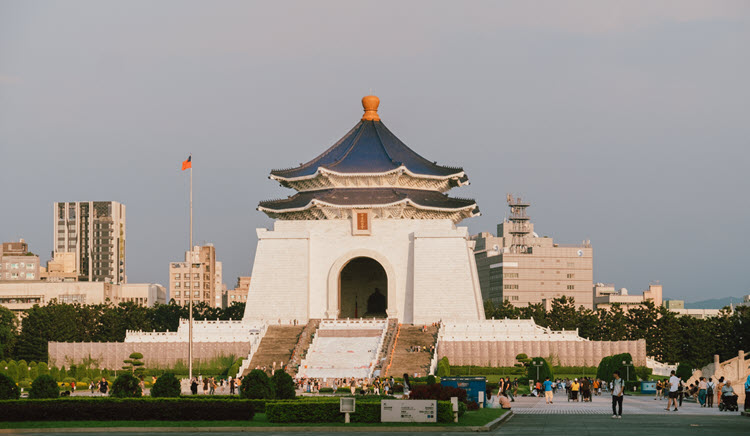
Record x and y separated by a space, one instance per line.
363 289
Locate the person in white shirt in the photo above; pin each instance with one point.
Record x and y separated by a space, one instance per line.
618 390
674 385
710 393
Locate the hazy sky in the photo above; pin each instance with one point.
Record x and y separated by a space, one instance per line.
624 123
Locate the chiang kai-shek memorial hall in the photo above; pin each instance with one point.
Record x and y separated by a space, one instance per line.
370 232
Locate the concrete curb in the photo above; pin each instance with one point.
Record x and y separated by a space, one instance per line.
266 429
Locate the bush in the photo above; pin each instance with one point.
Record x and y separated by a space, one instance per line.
326 390
166 386
44 387
544 370
12 371
283 385
431 379
54 372
327 411
256 385
443 367
472 406
8 388
684 371
106 408
126 386
23 369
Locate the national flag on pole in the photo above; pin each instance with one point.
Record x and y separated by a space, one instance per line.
188 163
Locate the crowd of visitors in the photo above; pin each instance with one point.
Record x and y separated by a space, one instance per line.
361 386
209 384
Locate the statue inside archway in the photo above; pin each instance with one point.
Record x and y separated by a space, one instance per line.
376 303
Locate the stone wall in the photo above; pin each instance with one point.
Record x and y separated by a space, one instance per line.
111 355
568 353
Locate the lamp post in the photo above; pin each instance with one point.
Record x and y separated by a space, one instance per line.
537 364
627 368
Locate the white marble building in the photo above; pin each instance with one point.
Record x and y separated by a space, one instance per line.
370 233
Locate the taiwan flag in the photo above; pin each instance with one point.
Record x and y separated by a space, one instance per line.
188 163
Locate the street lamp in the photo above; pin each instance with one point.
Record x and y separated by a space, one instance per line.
537 364
627 368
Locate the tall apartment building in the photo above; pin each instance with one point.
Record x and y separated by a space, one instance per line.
95 232
239 294
17 263
523 268
204 279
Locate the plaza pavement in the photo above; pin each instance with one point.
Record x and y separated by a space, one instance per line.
641 415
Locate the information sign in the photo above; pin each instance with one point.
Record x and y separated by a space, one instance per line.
396 410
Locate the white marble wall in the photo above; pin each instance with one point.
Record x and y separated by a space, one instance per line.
429 264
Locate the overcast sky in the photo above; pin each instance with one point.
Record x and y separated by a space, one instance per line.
626 123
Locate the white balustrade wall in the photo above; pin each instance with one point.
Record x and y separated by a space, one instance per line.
226 331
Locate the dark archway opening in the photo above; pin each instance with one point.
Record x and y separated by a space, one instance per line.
363 289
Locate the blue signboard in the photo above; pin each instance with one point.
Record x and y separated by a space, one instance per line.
648 387
472 384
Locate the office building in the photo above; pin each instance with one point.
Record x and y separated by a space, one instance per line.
95 232
17 263
204 279
523 268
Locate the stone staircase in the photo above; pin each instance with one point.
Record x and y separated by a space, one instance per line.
276 346
402 360
300 349
385 352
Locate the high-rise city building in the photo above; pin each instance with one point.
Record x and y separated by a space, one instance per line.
95 232
523 268
17 263
203 279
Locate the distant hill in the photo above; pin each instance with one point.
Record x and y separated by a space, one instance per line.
715 304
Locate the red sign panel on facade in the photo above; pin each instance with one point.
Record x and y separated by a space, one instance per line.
362 224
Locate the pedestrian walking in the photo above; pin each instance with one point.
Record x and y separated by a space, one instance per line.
702 391
710 388
548 390
674 386
618 391
747 393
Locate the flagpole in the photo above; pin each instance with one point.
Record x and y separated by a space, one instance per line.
190 277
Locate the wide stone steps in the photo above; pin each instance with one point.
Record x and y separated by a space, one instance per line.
276 346
405 361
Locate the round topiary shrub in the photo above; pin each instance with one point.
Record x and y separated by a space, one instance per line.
126 386
44 387
166 386
8 388
431 379
256 385
283 385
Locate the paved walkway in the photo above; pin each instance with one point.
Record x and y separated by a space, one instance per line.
641 415
603 405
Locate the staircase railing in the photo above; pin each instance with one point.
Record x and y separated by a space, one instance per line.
393 351
254 345
434 361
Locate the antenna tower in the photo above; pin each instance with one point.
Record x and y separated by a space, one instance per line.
519 224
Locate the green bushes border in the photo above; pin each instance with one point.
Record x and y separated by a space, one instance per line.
106 408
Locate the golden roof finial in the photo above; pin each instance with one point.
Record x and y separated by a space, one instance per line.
370 103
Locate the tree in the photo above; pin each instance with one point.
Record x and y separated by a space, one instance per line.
126 386
134 364
256 385
8 330
44 387
283 385
501 311
166 386
563 314
42 368
544 370
8 388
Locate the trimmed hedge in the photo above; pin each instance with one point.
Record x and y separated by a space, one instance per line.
167 386
106 408
327 411
8 388
44 387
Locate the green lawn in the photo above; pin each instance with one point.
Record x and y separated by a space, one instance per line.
471 418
